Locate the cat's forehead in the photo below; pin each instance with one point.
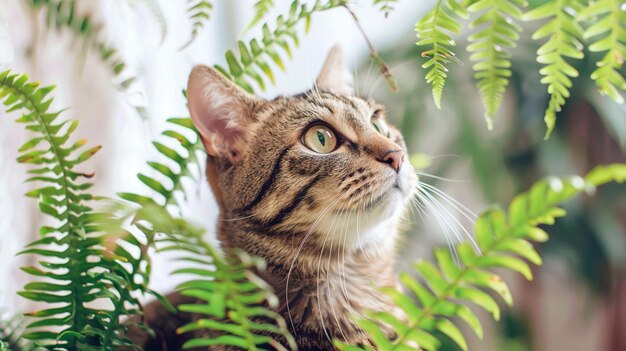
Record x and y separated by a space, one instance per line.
312 104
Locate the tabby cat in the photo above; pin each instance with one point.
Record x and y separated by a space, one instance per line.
315 184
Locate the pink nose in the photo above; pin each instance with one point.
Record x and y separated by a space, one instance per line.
394 158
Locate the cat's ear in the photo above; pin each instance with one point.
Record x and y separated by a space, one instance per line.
334 76
221 111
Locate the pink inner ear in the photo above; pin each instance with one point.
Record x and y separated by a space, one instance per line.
216 115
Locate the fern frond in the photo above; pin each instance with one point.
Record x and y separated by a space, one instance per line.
234 304
251 63
261 8
434 31
62 14
180 160
76 268
385 6
505 241
607 34
199 12
564 41
490 47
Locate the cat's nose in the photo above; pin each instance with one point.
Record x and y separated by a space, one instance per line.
394 158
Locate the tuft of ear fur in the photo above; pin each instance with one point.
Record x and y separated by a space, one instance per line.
221 111
334 77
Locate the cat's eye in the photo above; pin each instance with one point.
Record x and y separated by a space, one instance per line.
380 126
320 139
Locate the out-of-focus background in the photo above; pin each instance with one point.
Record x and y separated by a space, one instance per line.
578 298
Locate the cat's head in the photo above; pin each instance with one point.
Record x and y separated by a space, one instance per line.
324 163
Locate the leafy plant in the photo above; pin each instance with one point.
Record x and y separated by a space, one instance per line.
233 302
564 41
199 12
77 268
490 48
62 14
261 8
434 30
491 45
504 240
252 62
607 34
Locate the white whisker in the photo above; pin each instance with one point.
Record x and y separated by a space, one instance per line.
293 262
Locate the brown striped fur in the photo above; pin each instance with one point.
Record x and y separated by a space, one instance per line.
325 223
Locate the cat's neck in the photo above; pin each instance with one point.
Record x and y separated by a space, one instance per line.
320 289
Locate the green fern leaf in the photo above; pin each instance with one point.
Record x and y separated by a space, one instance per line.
433 32
490 47
76 263
608 35
234 304
504 242
252 63
564 36
199 12
63 14
261 8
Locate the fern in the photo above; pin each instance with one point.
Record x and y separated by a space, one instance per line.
181 160
261 8
608 35
199 12
62 14
434 30
385 6
504 241
564 41
230 296
76 268
253 56
490 47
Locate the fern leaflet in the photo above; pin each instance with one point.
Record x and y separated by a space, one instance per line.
504 241
433 31
253 56
63 14
608 34
490 47
261 8
564 41
199 12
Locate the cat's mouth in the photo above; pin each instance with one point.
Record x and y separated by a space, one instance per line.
389 194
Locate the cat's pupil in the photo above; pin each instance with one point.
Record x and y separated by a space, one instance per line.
321 138
376 127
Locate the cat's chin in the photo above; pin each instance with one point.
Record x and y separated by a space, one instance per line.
373 225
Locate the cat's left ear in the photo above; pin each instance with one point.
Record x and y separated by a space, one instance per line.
334 76
221 111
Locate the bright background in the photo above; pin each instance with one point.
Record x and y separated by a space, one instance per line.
577 301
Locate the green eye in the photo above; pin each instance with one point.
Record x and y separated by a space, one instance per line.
320 139
380 126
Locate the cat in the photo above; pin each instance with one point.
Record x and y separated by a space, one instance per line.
315 184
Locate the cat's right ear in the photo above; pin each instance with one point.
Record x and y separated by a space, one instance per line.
221 111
